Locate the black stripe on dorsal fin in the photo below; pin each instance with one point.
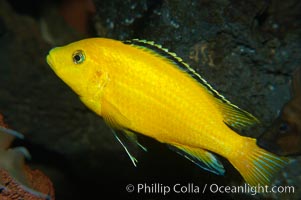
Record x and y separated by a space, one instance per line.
157 49
172 57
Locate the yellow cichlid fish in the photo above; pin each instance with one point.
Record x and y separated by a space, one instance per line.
140 87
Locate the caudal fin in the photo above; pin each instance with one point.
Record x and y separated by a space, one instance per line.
256 165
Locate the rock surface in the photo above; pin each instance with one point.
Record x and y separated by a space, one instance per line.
245 49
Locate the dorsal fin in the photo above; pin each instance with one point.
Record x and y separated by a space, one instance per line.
229 110
151 46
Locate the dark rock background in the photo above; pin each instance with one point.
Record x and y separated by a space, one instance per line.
247 50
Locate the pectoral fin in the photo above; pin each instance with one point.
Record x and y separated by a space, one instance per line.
119 123
200 157
113 117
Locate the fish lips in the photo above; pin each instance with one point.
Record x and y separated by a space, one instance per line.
49 60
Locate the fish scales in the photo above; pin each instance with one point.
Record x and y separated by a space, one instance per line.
182 104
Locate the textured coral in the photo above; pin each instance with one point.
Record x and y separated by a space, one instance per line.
15 191
38 186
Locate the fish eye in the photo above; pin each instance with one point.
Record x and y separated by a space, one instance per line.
78 57
283 127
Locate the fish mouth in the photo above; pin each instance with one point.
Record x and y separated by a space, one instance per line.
49 60
51 63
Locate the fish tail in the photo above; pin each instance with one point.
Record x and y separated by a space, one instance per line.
256 165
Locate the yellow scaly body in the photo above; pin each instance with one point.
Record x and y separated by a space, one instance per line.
139 87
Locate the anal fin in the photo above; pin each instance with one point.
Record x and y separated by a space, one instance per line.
200 157
116 120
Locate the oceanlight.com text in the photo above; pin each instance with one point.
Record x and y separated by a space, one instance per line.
192 188
253 190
